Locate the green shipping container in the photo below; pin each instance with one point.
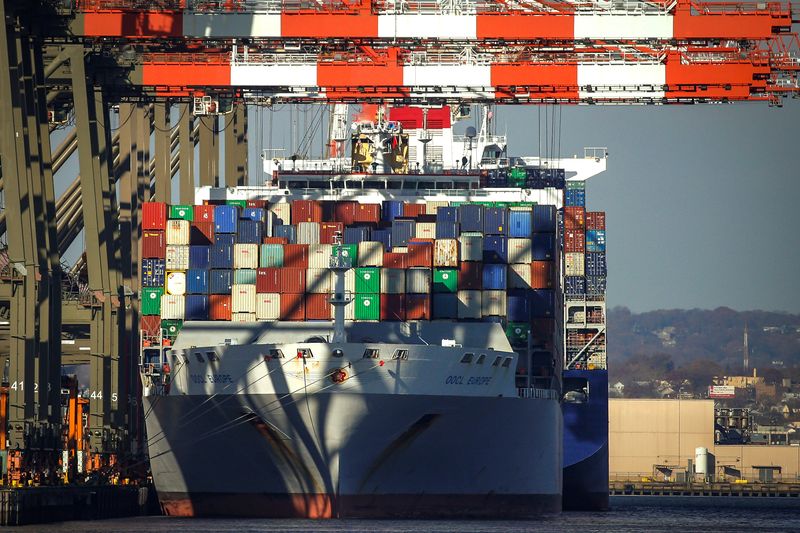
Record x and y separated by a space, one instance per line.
521 204
241 203
368 307
517 333
244 276
181 212
445 280
151 300
271 255
368 280
171 327
517 177
348 250
576 184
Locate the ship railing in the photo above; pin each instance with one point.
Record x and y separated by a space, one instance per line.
537 394
595 152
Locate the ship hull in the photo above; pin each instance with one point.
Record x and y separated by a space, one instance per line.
355 455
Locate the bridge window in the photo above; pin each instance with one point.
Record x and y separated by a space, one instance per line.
496 361
371 353
212 357
507 362
304 353
481 359
467 358
400 354
199 357
273 354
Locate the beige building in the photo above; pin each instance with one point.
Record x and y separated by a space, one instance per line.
645 434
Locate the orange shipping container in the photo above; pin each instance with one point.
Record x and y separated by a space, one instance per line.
204 213
345 212
574 217
393 306
318 307
420 254
596 220
276 240
201 232
292 306
413 210
306 211
327 230
295 255
418 306
542 275
293 280
395 260
219 306
368 213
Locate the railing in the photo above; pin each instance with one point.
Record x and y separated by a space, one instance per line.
748 476
537 394
595 152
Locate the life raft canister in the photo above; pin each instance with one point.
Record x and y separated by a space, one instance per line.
339 375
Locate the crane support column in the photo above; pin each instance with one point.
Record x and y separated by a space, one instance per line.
186 154
236 146
163 152
209 151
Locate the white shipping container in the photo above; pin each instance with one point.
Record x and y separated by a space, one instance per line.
519 276
319 255
573 264
471 247
281 211
245 256
177 257
308 233
445 253
268 306
493 303
176 283
318 280
425 230
519 251
528 208
393 281
370 253
172 307
243 317
178 231
399 249
469 304
432 206
243 298
418 280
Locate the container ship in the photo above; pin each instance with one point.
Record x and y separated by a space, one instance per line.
377 334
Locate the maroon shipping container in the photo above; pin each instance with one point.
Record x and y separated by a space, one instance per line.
420 253
368 213
306 211
327 230
542 275
318 307
393 306
292 306
542 330
154 245
295 255
202 233
268 280
260 204
395 260
413 210
345 212
596 220
276 240
470 276
574 240
292 280
418 306
204 213
150 325
574 217
154 215
219 306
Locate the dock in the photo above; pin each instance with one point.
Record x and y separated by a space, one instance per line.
731 489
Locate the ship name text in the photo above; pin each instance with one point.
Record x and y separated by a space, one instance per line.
461 380
210 378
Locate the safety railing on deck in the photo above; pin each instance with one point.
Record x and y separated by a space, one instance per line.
537 394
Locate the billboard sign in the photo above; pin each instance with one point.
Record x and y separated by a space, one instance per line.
721 391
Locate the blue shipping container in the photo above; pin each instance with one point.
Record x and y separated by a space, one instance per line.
196 307
596 240
197 281
542 303
250 231
495 249
199 256
544 218
518 306
225 238
384 236
256 214
286 231
446 229
391 209
221 281
225 218
596 285
543 246
575 198
494 277
596 264
519 224
445 306
356 234
153 272
471 217
402 231
447 214
495 221
222 256
574 285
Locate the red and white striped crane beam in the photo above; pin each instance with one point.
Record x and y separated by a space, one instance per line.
462 20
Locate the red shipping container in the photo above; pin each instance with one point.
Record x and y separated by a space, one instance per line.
306 211
470 276
268 280
295 255
368 213
418 306
318 307
345 212
292 306
327 230
395 260
219 306
150 325
260 204
292 280
542 275
413 210
276 240
420 254
154 215
574 217
154 245
596 220
393 306
574 240
202 233
204 213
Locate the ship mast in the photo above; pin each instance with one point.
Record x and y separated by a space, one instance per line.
339 299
